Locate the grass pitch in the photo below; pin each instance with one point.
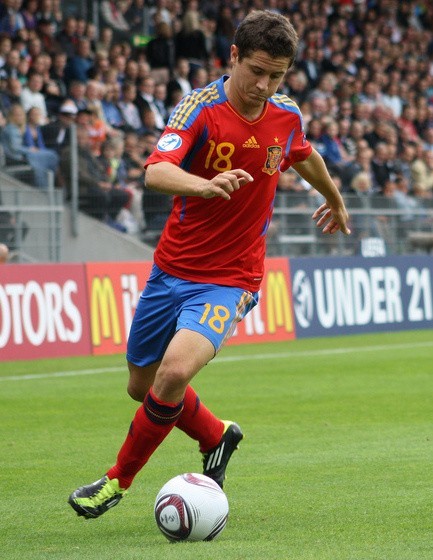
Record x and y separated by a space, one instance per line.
336 464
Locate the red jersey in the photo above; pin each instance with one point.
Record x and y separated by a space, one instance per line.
216 240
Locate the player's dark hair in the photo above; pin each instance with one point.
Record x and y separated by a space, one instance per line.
266 31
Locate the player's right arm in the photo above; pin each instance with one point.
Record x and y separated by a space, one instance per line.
168 178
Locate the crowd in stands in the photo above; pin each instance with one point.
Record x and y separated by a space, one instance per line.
363 80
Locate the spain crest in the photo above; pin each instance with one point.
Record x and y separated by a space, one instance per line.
273 159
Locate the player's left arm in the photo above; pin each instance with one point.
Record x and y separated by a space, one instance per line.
332 214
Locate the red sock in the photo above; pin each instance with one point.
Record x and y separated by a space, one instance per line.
153 421
199 422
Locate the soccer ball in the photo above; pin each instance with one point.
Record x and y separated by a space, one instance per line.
191 507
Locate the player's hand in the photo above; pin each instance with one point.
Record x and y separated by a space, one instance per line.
224 184
333 219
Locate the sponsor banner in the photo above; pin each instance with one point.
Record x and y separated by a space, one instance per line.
43 311
272 319
358 295
113 291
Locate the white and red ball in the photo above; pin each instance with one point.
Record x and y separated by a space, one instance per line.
191 507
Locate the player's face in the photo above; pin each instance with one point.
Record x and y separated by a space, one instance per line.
257 77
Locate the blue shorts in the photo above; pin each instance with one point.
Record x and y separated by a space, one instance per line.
169 304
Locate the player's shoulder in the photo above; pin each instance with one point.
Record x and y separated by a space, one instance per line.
283 102
189 108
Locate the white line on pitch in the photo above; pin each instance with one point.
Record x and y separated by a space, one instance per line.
240 358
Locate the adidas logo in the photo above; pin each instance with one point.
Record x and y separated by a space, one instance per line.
214 459
251 143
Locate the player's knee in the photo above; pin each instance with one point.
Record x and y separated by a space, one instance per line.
136 393
173 378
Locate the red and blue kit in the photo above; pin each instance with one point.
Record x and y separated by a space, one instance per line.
215 240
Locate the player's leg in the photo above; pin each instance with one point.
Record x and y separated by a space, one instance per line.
152 328
196 420
215 315
186 354
141 380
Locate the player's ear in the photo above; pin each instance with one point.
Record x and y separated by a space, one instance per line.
234 54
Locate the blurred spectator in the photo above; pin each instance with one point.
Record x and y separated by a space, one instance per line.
112 14
31 95
56 133
422 174
77 93
134 15
380 165
413 214
392 99
406 123
128 108
32 134
105 40
310 64
45 31
158 13
118 64
4 253
12 21
180 80
135 157
145 101
296 86
371 95
34 48
160 97
51 10
406 157
315 135
112 114
379 133
131 71
10 68
161 52
41 64
362 163
11 94
209 27
131 215
97 196
100 68
363 225
346 139
5 47
67 37
200 78
94 93
79 66
224 34
82 120
190 40
97 128
41 160
334 152
57 72
427 138
28 11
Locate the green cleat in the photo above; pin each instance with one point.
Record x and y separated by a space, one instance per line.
215 460
95 499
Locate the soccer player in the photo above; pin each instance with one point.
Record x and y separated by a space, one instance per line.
220 156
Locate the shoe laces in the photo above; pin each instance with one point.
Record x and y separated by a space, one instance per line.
106 492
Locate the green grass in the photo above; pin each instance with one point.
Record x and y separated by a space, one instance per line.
336 465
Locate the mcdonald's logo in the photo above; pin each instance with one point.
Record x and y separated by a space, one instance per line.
278 305
104 315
